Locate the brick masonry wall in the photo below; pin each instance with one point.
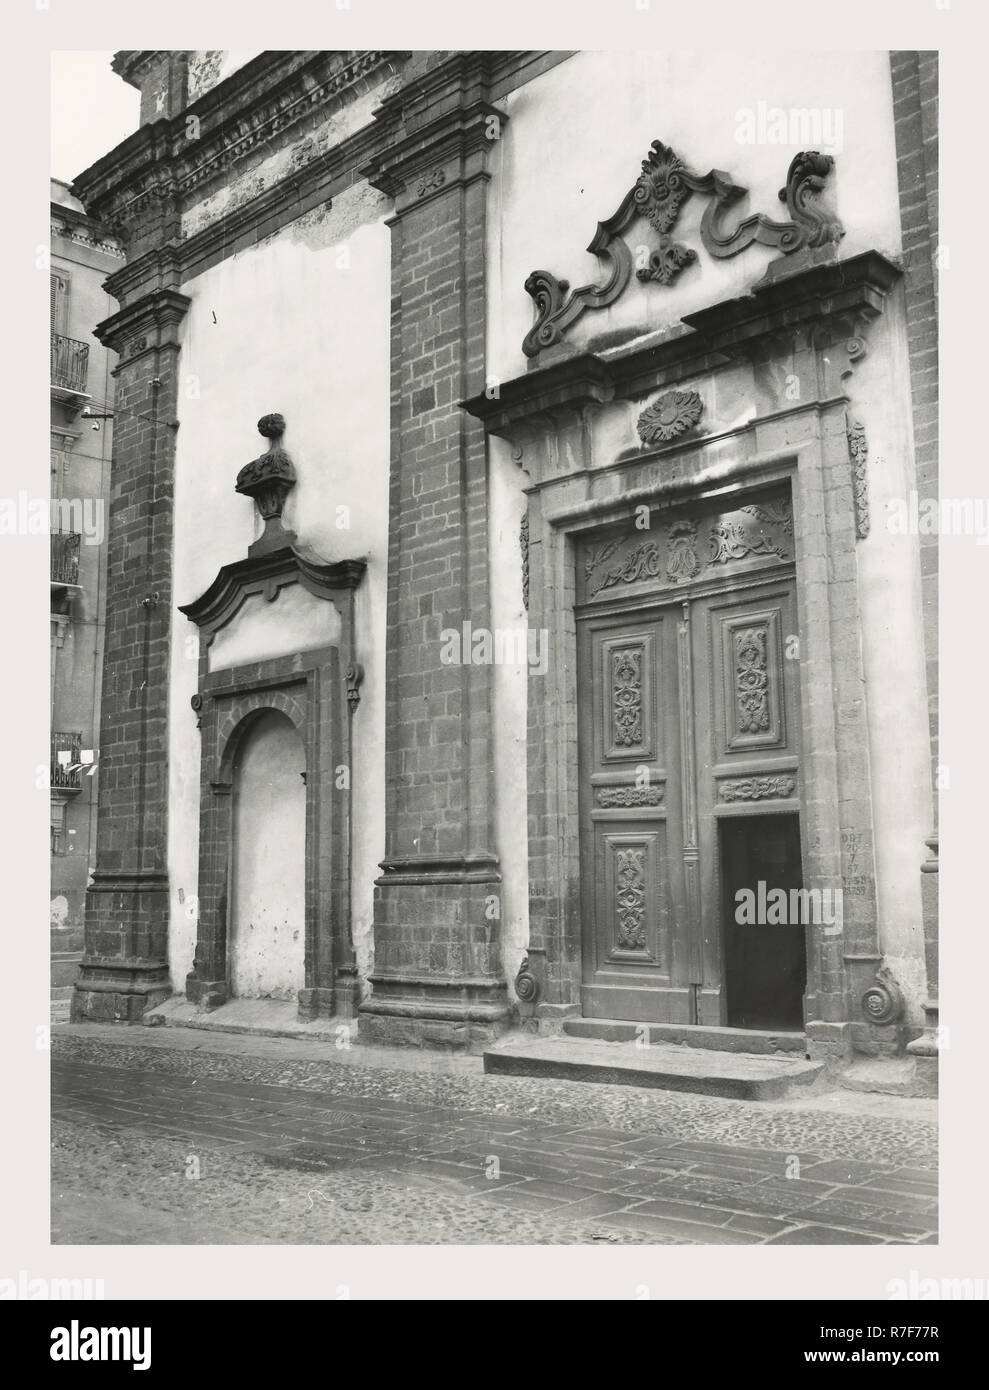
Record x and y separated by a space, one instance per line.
437 954
125 961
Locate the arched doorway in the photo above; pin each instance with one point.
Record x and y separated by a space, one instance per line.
267 923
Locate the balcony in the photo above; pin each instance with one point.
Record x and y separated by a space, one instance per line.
70 366
64 559
65 771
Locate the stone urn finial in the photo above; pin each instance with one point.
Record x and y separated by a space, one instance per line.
268 480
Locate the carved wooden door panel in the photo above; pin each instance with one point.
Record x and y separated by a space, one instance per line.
688 705
634 962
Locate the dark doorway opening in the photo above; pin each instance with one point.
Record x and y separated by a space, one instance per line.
765 960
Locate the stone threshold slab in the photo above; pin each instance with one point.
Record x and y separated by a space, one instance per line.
663 1066
717 1039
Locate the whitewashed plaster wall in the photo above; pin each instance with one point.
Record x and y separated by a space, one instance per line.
299 325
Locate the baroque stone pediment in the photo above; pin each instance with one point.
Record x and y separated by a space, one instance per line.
658 194
266 575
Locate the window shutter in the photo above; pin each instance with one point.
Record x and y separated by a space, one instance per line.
59 303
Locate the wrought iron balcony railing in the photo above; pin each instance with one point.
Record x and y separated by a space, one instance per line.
65 557
66 770
70 363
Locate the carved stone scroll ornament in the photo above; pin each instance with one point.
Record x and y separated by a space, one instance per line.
757 788
658 194
629 796
641 563
526 984
355 679
882 1001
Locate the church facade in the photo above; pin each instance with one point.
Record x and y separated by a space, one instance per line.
506 633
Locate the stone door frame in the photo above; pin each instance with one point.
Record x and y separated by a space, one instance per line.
571 421
840 968
683 609
318 690
308 692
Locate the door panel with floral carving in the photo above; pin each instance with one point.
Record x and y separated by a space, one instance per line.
630 814
688 713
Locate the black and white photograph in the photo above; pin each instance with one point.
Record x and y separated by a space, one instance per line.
493 680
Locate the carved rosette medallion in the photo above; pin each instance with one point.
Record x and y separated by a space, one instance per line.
626 690
751 680
630 899
669 417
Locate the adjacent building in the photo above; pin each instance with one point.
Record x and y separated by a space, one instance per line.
505 623
83 254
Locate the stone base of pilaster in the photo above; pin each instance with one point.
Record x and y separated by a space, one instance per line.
410 1012
339 1002
438 978
207 994
115 991
829 1042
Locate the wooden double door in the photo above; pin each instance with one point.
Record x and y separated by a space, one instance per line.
689 759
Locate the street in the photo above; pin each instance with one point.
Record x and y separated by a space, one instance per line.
172 1136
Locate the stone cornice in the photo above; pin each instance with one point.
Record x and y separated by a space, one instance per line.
813 296
131 63
249 111
152 322
441 117
437 117
82 228
265 573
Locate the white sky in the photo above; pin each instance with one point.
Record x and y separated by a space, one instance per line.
92 111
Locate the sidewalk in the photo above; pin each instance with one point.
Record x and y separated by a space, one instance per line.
299 1141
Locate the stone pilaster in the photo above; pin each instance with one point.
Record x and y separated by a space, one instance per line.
438 976
915 95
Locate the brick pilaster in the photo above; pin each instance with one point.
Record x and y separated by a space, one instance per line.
915 98
437 934
125 963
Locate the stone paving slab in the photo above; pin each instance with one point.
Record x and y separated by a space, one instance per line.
418 1165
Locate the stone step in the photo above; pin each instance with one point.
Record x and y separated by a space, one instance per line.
663 1066
753 1040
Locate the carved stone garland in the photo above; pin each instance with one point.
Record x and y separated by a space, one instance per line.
859 451
662 188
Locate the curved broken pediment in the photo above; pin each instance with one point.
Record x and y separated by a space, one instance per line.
658 194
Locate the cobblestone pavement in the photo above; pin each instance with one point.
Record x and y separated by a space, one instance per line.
262 1141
